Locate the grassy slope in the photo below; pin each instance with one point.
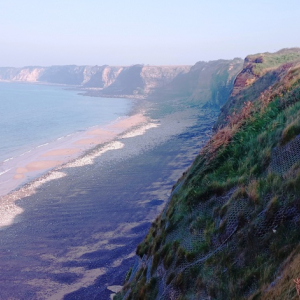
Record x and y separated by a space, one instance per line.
262 69
230 230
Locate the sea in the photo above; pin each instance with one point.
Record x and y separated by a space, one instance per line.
33 115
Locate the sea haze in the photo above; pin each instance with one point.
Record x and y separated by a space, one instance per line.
32 115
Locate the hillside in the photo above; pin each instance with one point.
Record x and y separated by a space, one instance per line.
205 83
230 227
264 69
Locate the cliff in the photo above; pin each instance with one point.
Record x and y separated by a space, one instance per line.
205 83
230 229
99 80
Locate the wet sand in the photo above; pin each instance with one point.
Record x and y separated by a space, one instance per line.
60 152
36 166
33 163
72 233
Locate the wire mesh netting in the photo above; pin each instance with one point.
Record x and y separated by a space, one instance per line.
226 230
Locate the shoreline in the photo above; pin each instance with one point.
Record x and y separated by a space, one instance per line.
82 91
73 232
23 179
34 162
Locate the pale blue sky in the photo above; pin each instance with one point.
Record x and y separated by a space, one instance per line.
156 32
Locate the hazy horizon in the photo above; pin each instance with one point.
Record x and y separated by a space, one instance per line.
139 32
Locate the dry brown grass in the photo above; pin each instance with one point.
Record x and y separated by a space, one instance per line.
252 192
291 74
297 285
224 135
285 287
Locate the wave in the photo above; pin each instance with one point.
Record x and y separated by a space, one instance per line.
5 172
8 159
42 145
25 152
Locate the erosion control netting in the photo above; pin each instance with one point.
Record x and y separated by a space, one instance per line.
225 234
285 157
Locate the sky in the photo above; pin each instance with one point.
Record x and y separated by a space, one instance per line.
156 32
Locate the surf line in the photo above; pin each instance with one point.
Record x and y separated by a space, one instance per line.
42 145
4 172
25 153
8 159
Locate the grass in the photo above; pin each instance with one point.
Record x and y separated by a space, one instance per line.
269 61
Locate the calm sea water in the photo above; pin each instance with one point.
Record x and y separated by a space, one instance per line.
31 115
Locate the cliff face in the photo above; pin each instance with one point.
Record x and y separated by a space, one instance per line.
112 80
230 229
27 74
158 77
205 83
100 77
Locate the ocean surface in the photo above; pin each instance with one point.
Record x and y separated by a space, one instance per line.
33 115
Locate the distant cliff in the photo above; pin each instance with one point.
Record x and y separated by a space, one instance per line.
206 83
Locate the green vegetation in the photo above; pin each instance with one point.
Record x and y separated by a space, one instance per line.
267 61
230 230
265 70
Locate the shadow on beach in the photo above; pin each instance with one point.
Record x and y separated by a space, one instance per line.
77 234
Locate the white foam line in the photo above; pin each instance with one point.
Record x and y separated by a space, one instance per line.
60 138
139 131
9 211
4 172
42 145
89 159
8 159
25 153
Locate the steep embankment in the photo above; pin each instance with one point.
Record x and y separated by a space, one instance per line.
207 83
231 227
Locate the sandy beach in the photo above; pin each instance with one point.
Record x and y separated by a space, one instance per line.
42 159
72 232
